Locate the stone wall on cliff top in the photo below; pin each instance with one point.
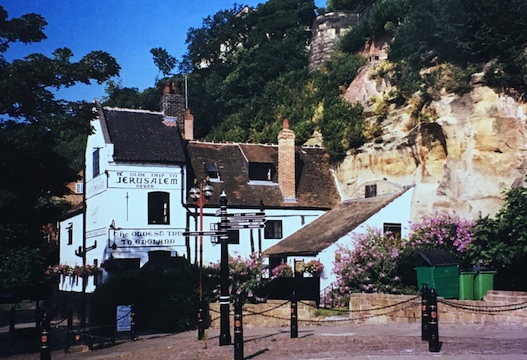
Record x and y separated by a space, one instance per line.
473 148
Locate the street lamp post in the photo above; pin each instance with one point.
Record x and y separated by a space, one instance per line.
225 335
196 192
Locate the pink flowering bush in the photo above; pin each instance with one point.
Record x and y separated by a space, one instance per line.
245 275
368 265
442 230
376 262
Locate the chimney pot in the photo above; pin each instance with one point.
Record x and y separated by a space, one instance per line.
285 124
166 89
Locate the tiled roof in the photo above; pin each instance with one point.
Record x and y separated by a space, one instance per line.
331 226
141 136
315 186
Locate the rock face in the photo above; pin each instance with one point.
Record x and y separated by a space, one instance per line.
471 149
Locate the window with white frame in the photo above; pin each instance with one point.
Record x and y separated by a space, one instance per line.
273 229
96 162
158 207
370 190
393 229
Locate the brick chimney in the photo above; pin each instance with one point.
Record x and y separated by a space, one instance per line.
286 163
173 105
189 125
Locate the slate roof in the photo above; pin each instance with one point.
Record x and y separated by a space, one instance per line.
315 186
142 137
331 226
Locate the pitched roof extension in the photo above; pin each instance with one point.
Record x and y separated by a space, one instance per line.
141 137
315 186
331 226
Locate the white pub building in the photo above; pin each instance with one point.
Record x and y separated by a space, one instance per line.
141 165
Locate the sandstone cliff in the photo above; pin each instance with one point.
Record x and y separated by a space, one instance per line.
469 150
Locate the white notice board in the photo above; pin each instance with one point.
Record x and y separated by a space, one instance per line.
123 318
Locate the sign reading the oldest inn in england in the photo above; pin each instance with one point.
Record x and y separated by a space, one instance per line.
143 180
148 237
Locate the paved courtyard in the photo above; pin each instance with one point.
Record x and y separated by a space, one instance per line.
335 341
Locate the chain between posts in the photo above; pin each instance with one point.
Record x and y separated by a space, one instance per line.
487 309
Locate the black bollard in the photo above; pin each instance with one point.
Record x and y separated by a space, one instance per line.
238 329
12 319
433 342
70 320
425 313
45 353
294 316
201 325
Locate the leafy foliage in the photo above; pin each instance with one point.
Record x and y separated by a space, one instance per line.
368 264
377 262
163 60
245 275
41 138
501 242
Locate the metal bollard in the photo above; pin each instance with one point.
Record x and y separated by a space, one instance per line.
425 312
294 316
201 325
12 316
433 342
70 320
45 353
238 329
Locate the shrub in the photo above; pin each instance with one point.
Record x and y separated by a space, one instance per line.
245 275
442 231
368 265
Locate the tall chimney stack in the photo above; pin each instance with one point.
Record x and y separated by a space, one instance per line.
173 105
286 163
189 125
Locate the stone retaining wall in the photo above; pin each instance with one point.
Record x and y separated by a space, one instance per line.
504 307
496 307
271 313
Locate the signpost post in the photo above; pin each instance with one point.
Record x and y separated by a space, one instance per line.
228 222
225 335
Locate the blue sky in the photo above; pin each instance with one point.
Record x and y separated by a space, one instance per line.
126 29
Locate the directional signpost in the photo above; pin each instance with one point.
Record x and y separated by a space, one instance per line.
238 226
245 221
204 233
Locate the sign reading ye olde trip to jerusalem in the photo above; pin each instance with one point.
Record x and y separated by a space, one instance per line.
142 180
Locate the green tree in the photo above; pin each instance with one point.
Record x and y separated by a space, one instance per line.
501 242
235 55
352 5
37 133
163 60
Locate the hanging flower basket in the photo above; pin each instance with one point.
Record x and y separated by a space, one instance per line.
313 267
74 272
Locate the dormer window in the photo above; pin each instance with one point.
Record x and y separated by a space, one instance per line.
261 171
212 170
370 191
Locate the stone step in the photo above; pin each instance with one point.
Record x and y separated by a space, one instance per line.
511 297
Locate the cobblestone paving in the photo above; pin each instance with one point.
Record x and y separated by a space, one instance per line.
342 341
